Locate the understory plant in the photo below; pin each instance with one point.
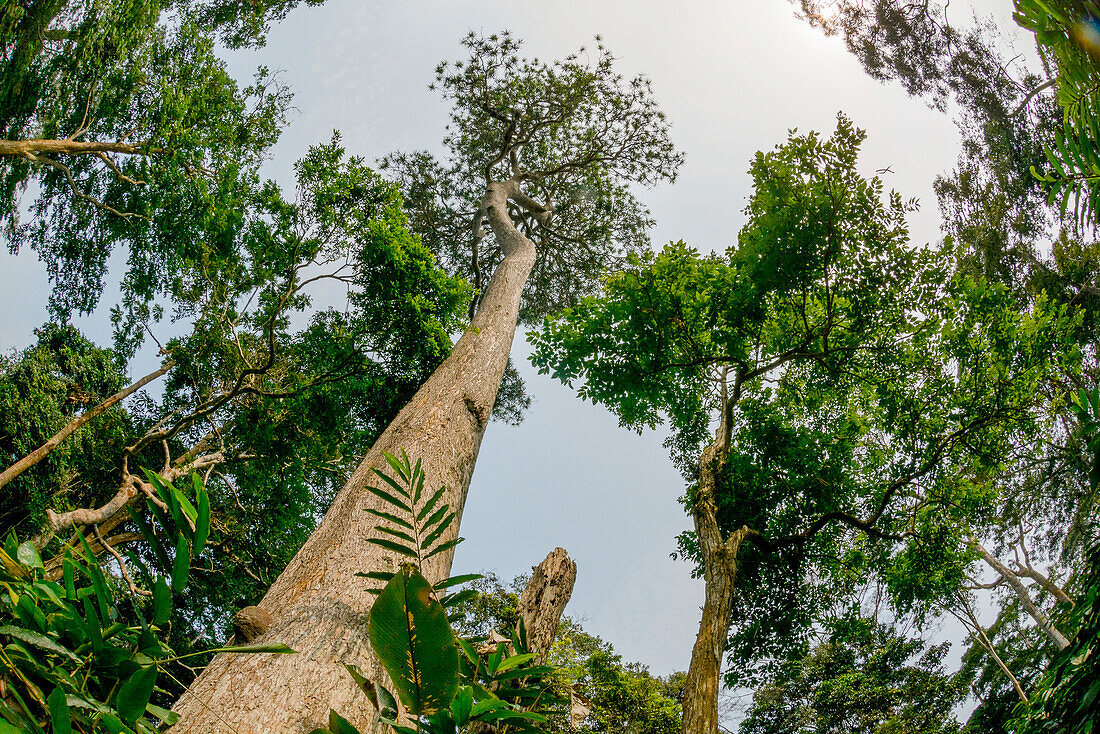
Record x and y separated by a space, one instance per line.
86 652
445 683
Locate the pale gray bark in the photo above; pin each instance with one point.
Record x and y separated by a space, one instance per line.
318 606
1020 590
543 601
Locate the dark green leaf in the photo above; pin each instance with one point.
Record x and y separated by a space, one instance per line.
181 566
134 694
389 498
443 547
393 546
59 712
409 633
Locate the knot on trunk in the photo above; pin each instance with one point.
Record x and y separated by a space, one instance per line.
250 623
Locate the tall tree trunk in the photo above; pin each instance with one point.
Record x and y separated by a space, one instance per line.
317 605
700 715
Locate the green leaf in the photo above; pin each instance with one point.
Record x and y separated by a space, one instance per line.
393 483
181 566
365 684
389 516
134 694
429 505
337 724
382 576
445 546
387 704
59 712
272 647
162 602
456 580
401 467
515 660
458 598
387 497
150 536
393 546
434 535
395 533
99 585
27 554
202 521
165 716
462 705
409 633
39 640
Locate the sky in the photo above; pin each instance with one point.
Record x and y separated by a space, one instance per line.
733 78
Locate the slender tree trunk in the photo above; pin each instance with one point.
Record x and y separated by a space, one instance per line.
1025 599
317 605
700 715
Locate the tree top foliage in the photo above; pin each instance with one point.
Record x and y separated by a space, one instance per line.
126 126
574 134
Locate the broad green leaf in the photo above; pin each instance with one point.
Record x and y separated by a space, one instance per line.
134 694
515 660
39 640
365 685
27 554
181 566
202 521
162 602
165 716
337 724
387 704
409 633
462 705
59 712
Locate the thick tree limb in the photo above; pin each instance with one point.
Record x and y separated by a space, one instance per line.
1013 581
44 450
23 148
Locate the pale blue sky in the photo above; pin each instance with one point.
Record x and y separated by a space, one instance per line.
733 77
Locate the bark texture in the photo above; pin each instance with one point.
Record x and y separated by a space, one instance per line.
1020 590
32 148
700 715
543 601
318 606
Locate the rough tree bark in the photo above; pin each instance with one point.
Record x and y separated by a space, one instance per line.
700 714
317 605
543 601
